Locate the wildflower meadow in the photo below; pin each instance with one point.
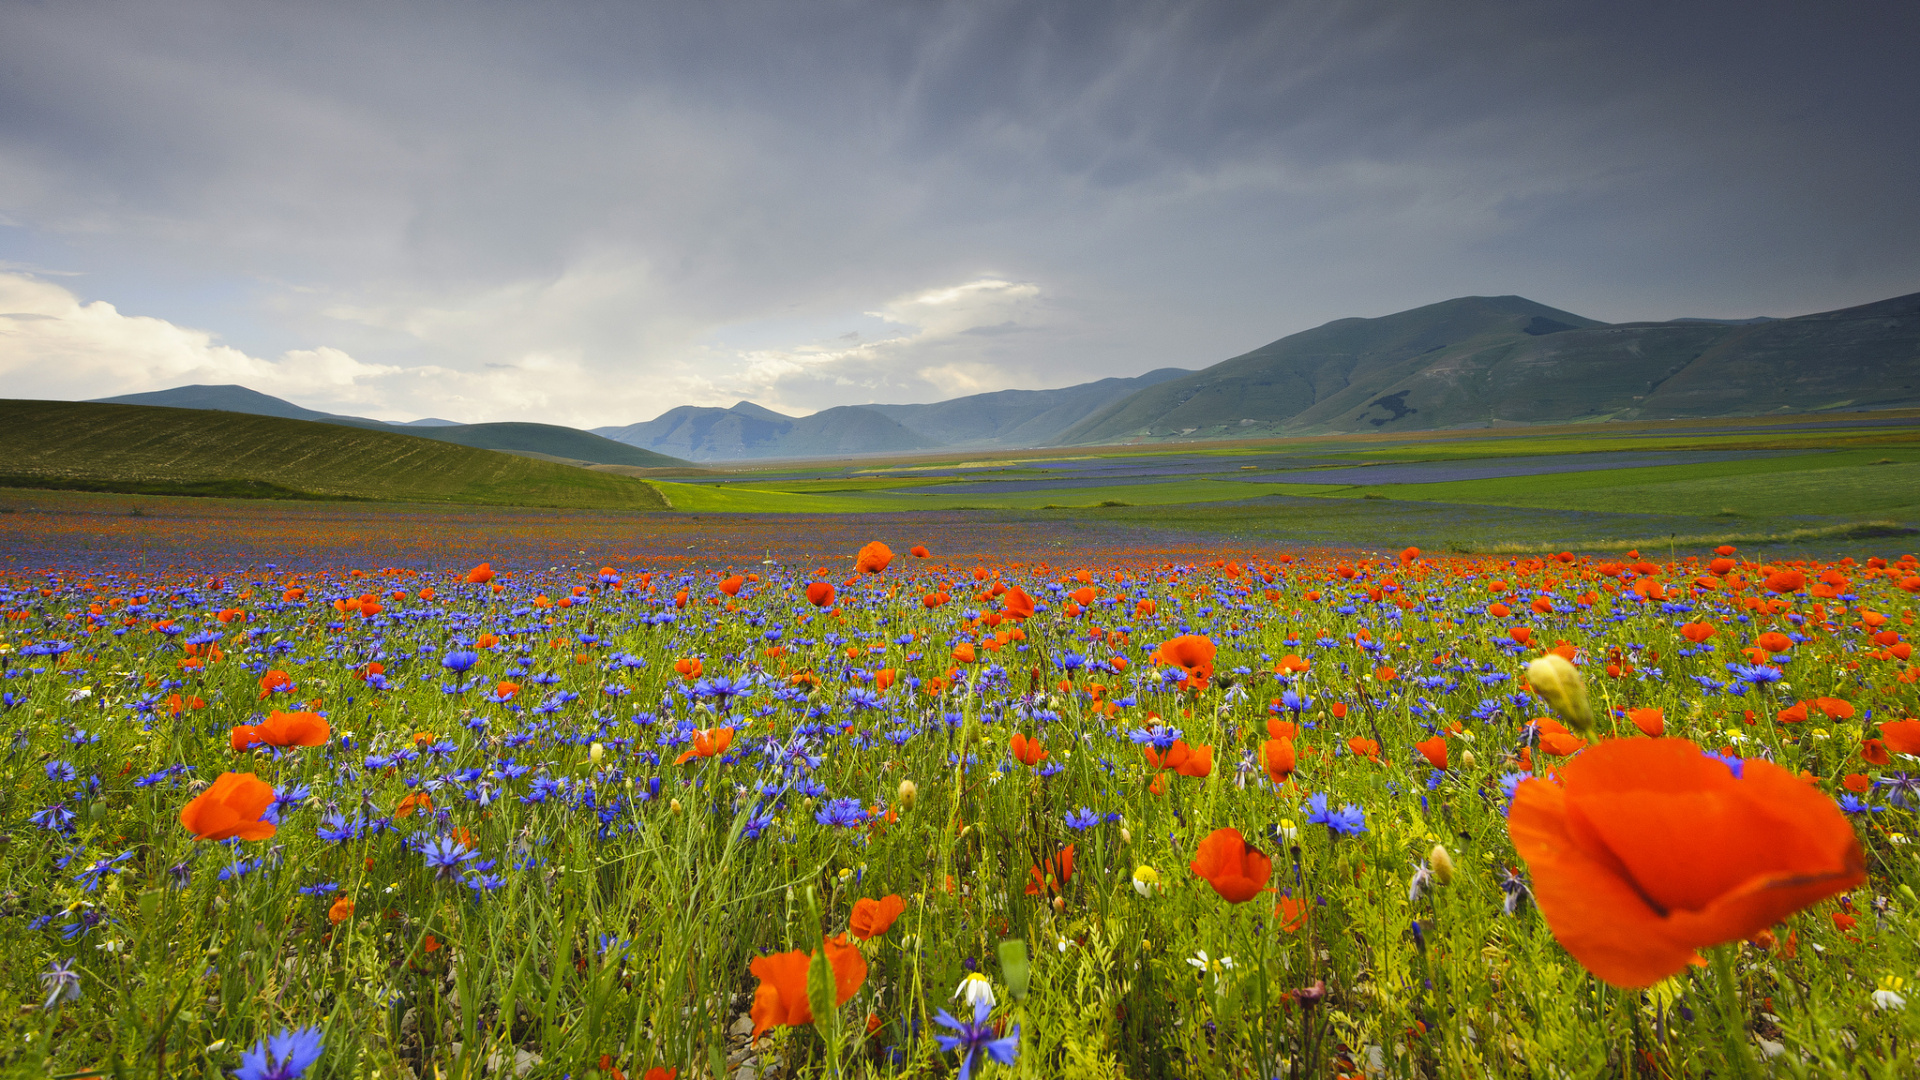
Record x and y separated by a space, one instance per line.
889 813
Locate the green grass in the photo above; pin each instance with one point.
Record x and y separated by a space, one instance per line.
151 450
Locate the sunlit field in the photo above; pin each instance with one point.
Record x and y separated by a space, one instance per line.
759 798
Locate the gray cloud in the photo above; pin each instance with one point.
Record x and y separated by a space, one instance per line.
592 212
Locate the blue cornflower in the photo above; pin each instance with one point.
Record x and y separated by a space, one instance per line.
90 878
444 855
1349 820
282 1057
1757 674
1854 806
60 772
458 662
1510 783
1295 701
846 813
1082 819
61 982
977 1037
56 817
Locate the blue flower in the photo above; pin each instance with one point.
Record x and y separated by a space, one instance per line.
976 1037
61 982
458 662
846 813
445 854
282 1057
1082 819
1349 820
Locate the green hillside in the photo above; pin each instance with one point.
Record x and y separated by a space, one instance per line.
158 450
548 439
1476 361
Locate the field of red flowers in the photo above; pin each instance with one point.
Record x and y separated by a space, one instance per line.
329 791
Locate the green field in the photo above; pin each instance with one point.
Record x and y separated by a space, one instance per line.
162 451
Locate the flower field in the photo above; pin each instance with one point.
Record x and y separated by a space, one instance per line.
853 812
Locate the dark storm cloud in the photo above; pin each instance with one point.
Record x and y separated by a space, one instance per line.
591 213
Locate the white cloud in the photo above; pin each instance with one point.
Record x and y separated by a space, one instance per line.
54 346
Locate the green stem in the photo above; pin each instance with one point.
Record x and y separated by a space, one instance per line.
1733 1026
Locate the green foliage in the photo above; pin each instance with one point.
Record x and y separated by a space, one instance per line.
156 450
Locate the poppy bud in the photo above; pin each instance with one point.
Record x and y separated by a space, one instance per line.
909 791
596 752
1466 759
1442 864
1126 835
1559 682
675 807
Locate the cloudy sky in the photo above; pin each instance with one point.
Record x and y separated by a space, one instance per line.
588 213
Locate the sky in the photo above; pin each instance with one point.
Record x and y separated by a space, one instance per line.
590 213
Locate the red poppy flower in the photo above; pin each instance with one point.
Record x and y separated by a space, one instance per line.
707 742
1697 632
1027 751
820 594
1016 604
781 998
1434 750
231 808
1874 752
480 575
1279 758
1365 748
873 558
732 585
1183 759
1291 914
871 918
1192 653
282 729
918 552
1648 850
1238 873
689 667
1902 736
1057 871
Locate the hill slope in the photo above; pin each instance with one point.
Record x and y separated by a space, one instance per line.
546 441
1017 418
165 450
1479 360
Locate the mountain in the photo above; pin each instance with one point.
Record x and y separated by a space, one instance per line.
227 398
1004 418
1478 360
748 431
545 441
93 446
1017 418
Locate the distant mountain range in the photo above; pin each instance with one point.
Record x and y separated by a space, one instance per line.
1467 362
1484 360
549 442
1005 418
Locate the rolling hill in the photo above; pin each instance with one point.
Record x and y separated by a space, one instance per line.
1017 418
1481 360
165 450
549 442
747 431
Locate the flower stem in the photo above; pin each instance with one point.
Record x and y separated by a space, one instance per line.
1733 1025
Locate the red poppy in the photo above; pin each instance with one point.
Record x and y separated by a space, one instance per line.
871 918
1648 849
1192 653
1238 873
1291 914
1651 722
820 594
1183 759
1774 642
1016 604
419 800
1697 632
964 653
707 742
731 585
918 552
1786 581
1902 736
1027 751
1057 871
781 999
282 729
231 808
1835 708
275 681
480 575
689 667
1874 752
1279 758
873 558
1365 748
1434 750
